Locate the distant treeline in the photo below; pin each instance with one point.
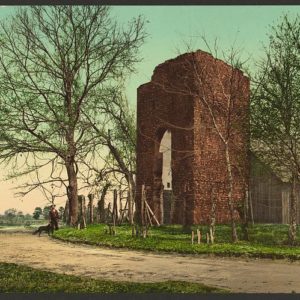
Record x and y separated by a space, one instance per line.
12 217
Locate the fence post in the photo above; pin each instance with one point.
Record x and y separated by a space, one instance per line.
66 211
115 208
143 205
81 219
199 236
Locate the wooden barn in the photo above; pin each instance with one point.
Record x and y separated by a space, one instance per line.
269 195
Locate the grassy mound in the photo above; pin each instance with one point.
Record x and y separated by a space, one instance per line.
21 279
265 241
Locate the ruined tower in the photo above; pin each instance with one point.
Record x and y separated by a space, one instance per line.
198 100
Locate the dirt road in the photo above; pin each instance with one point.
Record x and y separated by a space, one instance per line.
238 275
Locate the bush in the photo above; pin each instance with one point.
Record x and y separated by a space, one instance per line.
27 224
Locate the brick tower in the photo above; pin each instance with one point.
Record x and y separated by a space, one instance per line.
195 97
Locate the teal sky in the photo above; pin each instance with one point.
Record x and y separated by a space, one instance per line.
168 26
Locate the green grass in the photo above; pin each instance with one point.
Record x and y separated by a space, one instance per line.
21 279
266 241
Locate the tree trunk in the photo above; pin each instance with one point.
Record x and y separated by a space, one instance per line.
293 213
72 194
101 203
230 193
91 208
131 198
130 206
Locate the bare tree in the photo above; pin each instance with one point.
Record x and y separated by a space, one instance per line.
118 136
54 61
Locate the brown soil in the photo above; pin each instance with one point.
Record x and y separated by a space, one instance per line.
238 275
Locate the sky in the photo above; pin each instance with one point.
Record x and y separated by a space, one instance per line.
167 28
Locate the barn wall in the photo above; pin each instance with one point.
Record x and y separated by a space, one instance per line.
270 196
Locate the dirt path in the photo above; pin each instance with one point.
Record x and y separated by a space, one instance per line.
238 275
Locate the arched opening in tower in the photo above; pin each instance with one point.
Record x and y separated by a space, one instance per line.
165 149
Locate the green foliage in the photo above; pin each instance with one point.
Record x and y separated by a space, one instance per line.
57 64
12 217
46 211
27 224
61 211
20 279
10 213
275 99
267 241
37 212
